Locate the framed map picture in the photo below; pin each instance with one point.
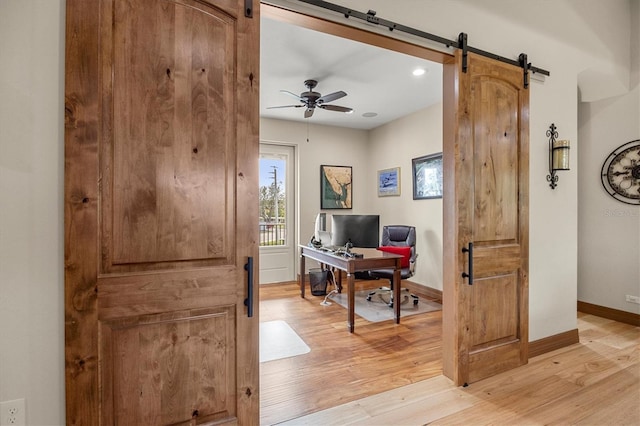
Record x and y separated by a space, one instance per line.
389 182
335 187
427 177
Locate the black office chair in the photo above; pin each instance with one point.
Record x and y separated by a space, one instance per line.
396 236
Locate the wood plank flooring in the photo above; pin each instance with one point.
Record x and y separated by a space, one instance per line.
594 382
342 367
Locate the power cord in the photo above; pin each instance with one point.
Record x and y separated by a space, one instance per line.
325 302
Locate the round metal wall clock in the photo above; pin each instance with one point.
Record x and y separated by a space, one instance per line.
621 173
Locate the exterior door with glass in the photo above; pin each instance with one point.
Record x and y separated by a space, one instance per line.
277 213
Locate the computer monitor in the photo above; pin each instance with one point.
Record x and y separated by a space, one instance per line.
359 229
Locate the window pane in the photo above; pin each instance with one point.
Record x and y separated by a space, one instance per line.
272 200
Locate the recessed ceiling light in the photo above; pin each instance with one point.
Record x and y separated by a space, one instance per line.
419 71
370 114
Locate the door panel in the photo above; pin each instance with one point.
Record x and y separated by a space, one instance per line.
160 153
492 311
174 364
496 159
487 148
169 158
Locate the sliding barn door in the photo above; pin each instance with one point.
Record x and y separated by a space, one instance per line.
486 219
161 178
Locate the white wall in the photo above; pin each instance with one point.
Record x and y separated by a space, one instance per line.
553 214
609 231
31 212
31 166
609 237
394 145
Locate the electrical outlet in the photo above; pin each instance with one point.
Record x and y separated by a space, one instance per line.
633 299
13 413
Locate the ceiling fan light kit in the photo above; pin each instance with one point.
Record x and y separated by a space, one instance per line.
312 100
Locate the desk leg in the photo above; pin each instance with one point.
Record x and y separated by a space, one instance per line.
302 285
351 290
396 295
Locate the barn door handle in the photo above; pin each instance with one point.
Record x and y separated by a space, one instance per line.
469 251
248 302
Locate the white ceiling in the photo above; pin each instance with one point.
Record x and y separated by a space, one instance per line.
375 79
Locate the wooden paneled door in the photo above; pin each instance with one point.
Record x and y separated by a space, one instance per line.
486 199
161 211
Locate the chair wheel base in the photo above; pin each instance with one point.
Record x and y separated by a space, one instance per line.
384 290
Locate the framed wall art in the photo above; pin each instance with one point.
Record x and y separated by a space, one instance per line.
335 187
389 182
427 176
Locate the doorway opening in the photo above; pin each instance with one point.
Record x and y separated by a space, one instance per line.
335 372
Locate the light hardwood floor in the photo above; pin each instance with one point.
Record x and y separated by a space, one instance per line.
341 367
594 382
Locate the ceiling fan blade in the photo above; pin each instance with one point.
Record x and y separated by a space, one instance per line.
331 97
286 92
286 106
308 113
335 108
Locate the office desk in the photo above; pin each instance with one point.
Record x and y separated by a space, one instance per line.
373 259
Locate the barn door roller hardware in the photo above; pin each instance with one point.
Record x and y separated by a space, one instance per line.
461 43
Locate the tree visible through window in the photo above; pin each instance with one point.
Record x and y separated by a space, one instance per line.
272 200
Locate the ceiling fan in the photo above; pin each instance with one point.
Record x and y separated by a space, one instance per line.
311 100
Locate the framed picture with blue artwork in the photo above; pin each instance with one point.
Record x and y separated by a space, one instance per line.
335 187
427 177
389 182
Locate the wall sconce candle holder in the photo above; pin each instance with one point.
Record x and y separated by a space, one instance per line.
558 155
